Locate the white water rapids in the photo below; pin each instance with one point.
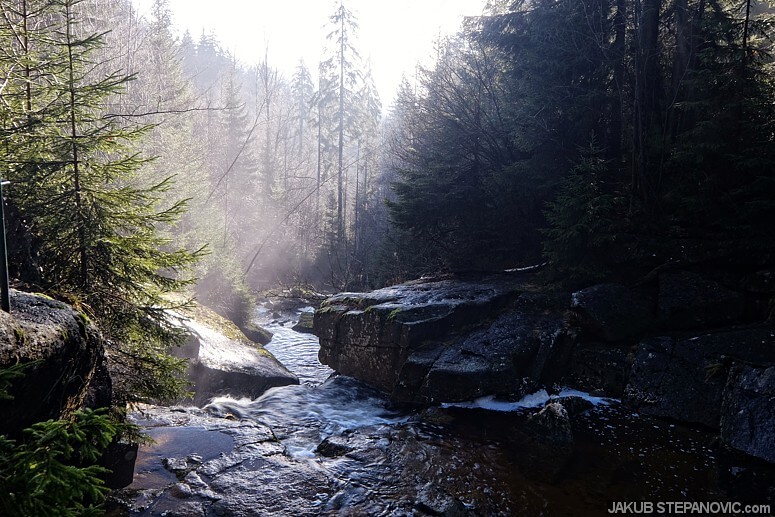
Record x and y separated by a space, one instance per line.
301 416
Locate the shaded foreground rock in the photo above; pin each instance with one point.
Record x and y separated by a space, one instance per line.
613 312
688 300
228 365
748 411
62 349
683 378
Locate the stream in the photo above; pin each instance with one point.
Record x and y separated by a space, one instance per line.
333 446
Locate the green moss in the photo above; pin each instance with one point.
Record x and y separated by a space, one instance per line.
393 314
83 318
19 335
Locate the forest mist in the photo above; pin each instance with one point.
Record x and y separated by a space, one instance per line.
603 136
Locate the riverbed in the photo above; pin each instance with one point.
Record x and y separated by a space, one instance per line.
332 446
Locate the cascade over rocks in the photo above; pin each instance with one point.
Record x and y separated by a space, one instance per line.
63 350
431 341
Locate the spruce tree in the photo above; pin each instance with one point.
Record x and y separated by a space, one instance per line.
96 226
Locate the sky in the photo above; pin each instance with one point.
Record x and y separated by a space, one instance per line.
394 34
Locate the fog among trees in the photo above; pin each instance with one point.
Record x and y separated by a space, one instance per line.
606 137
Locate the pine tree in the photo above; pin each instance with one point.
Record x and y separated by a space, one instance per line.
95 226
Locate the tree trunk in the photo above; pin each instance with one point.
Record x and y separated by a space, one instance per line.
75 159
340 178
647 101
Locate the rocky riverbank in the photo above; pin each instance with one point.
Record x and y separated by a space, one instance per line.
684 347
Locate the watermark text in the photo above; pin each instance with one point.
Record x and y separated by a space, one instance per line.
688 507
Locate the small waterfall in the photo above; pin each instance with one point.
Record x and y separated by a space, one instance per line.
302 416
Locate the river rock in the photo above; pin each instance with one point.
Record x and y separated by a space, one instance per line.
224 365
236 470
334 446
62 349
521 349
613 312
689 300
748 411
683 378
450 340
599 367
574 405
305 323
435 501
256 333
544 444
551 425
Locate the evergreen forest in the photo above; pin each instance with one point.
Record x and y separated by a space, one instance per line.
603 139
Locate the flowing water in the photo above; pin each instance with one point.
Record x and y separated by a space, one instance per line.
298 352
353 453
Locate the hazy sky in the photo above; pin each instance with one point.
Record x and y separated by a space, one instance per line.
394 34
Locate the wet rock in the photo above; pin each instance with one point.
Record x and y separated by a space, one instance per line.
684 378
551 425
613 312
748 411
119 459
62 349
305 323
202 465
600 368
544 445
689 300
425 342
434 501
574 405
334 446
223 365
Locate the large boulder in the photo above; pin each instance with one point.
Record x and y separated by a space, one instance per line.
449 340
683 378
61 350
370 335
748 411
689 300
613 312
224 362
524 347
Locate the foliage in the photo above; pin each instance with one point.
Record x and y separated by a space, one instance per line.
80 196
52 470
585 222
223 290
678 97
